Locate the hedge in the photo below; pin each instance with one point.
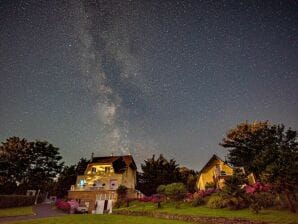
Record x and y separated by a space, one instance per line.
9 201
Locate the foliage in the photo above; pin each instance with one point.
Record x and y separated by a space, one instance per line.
121 191
157 172
204 193
29 165
261 200
269 151
9 201
176 192
189 178
63 205
234 183
122 194
197 201
68 176
161 189
217 201
210 185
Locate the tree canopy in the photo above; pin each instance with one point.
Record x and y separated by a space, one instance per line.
28 165
269 151
157 172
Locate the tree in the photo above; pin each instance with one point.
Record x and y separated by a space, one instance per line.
157 172
81 166
29 165
68 177
14 163
269 151
188 178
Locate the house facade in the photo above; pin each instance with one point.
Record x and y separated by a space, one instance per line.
101 179
215 172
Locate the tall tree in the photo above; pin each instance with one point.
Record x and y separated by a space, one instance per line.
188 178
68 177
14 163
270 151
45 164
157 172
29 165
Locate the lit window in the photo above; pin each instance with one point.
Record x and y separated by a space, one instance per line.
107 169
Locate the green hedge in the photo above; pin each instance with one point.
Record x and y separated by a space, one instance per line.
9 201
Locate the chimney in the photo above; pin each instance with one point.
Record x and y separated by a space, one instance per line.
92 155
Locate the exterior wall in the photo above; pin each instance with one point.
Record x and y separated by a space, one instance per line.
129 178
210 173
90 197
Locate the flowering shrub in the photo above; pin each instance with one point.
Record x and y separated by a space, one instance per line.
155 198
257 187
67 206
208 192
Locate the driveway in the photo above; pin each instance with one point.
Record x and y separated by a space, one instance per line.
40 210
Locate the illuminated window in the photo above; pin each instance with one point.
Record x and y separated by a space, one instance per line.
82 182
107 169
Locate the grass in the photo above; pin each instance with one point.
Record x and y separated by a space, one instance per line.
271 216
100 219
16 211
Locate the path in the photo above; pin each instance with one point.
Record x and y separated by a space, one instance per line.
40 210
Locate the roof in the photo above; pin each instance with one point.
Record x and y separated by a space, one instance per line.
120 163
214 157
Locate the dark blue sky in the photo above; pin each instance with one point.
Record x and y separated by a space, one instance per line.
145 77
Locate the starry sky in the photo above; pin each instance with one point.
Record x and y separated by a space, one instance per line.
145 77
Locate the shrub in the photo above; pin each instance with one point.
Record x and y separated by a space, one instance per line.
217 201
63 205
122 191
260 200
161 189
197 202
234 203
9 201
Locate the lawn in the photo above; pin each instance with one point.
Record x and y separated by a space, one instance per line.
100 219
16 211
271 216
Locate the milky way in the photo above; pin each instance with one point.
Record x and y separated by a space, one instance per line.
145 77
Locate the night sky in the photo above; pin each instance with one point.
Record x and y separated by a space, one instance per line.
145 77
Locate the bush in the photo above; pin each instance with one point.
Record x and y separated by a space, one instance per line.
234 203
197 202
63 205
9 201
260 200
217 201
161 189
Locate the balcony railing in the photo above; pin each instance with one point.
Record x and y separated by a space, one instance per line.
91 188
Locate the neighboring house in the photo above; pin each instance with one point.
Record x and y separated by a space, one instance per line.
215 172
101 179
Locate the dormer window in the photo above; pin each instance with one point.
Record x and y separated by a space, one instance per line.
93 170
107 169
